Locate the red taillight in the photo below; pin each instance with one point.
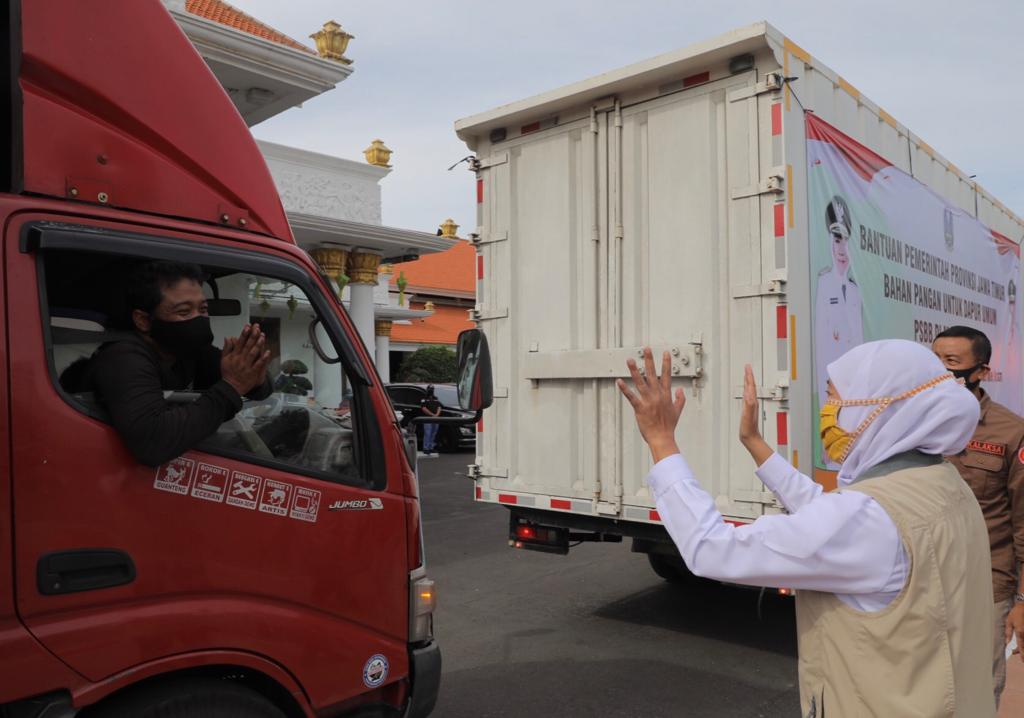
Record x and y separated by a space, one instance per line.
526 532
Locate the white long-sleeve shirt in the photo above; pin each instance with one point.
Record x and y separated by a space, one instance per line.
843 543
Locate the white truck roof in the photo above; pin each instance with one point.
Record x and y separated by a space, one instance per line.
676 64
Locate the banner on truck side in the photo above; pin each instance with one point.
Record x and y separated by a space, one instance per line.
892 259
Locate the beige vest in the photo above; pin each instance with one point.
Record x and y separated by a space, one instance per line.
929 652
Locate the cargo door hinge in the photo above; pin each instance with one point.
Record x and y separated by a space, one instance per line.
753 496
773 82
477 314
478 237
771 288
772 184
476 164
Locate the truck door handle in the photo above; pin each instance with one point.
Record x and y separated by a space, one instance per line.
85 569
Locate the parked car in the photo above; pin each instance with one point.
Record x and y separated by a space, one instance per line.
406 399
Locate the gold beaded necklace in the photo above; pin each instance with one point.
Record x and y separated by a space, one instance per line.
881 405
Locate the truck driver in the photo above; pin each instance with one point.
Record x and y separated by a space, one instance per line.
171 348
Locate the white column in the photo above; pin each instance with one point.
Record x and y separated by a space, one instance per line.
361 308
383 327
362 283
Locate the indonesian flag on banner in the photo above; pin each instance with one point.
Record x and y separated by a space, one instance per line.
861 160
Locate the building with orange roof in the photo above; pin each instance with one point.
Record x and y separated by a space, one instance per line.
445 281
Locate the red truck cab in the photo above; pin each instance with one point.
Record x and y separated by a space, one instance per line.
275 570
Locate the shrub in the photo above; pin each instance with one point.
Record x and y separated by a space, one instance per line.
435 365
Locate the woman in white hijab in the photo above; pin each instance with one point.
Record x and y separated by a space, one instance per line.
891 570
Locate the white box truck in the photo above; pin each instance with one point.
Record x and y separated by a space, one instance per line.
733 202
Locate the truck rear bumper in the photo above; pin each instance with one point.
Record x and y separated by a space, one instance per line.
425 680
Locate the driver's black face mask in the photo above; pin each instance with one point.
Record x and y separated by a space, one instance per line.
182 339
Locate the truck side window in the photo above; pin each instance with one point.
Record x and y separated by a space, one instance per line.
309 422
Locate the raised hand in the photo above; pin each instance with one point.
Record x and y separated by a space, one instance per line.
244 360
657 411
750 434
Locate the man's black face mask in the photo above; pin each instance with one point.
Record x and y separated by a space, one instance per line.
964 373
183 339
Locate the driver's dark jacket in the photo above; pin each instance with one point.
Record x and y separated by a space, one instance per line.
129 378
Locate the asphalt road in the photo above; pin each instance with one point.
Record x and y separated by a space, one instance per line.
595 633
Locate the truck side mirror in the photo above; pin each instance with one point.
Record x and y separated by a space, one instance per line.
476 388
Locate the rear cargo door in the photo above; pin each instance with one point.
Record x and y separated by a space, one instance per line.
542 243
684 245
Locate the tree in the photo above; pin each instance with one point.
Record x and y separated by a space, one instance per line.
435 365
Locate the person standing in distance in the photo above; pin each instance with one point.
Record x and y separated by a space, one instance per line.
838 324
430 406
993 466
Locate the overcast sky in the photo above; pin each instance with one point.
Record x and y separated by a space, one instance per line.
952 71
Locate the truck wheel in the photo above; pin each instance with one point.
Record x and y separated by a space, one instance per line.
188 698
671 569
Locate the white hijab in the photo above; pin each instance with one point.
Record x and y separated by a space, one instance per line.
939 420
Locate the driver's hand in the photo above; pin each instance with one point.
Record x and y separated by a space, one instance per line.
244 360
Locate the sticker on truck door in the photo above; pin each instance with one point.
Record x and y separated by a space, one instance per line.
211 483
375 671
175 476
245 489
306 504
275 498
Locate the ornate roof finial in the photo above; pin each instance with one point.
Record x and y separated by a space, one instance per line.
378 154
449 229
332 41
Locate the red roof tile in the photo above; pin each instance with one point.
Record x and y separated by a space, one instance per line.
442 327
225 14
454 269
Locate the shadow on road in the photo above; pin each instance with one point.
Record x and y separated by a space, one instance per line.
710 610
605 689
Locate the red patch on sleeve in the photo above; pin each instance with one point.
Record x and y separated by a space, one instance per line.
988 448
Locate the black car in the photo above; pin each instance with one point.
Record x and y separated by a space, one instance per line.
406 399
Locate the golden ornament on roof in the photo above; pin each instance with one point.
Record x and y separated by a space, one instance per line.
449 229
331 42
378 154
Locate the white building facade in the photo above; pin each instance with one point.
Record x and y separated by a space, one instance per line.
333 204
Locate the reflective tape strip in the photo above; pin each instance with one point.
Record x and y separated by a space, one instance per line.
780 219
698 79
479 493
850 89
654 516
508 499
789 193
777 118
792 346
479 266
561 504
781 335
480 426
782 428
480 191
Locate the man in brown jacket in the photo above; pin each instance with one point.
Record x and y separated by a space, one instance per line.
993 466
